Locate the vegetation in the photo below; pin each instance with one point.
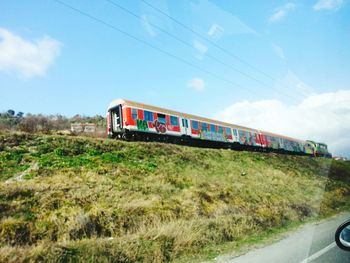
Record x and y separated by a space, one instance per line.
74 199
32 123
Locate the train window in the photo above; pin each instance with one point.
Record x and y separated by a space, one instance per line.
204 126
220 129
161 118
148 116
195 125
134 114
186 122
228 130
212 128
174 121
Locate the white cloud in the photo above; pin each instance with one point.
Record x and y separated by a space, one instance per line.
215 31
206 13
200 47
279 51
281 12
26 58
328 5
322 117
146 24
197 84
295 85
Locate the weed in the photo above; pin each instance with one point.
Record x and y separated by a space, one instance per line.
89 200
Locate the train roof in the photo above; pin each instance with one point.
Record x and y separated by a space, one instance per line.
195 117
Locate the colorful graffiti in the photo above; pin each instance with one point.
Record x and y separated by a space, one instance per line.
160 127
142 125
246 138
273 143
207 135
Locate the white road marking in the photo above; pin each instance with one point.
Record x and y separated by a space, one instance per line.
319 253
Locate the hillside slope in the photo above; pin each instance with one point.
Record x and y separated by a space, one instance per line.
78 199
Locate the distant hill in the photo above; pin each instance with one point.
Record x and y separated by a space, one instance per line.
75 199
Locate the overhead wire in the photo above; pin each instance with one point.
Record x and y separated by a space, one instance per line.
96 19
208 40
186 43
191 46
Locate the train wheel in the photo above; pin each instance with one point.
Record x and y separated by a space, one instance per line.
126 136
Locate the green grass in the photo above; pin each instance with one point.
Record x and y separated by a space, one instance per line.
72 199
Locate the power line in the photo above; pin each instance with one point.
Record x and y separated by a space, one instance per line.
186 43
96 19
146 43
209 40
189 45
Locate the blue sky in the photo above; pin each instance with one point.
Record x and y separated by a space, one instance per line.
55 60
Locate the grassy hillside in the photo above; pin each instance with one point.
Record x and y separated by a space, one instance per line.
68 199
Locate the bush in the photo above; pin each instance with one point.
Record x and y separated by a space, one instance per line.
92 200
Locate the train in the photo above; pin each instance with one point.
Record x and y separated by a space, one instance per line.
129 120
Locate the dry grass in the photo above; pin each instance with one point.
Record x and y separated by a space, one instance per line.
88 200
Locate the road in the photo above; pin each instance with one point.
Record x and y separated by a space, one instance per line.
311 243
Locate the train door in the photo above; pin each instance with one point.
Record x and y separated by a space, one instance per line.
185 128
117 119
258 139
281 144
235 135
263 140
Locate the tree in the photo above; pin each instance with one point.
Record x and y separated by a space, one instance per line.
11 113
28 124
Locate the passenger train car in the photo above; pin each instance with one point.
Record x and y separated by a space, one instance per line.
131 120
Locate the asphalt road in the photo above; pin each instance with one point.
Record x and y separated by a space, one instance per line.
311 243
